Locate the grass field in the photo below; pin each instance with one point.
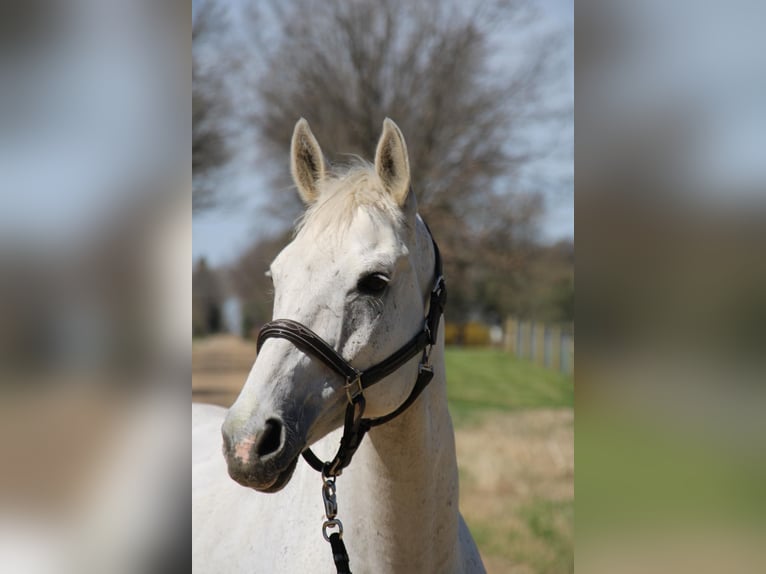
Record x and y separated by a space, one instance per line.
481 380
515 443
514 434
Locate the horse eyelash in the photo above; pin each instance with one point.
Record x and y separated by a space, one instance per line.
377 305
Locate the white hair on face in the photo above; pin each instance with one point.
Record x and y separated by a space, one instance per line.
342 194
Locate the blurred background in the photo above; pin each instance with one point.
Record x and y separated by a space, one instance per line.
483 92
95 287
671 292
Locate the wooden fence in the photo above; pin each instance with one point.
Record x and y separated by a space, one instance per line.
547 345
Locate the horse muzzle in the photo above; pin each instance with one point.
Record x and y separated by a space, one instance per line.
263 459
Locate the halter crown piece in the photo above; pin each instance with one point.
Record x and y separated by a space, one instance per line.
355 426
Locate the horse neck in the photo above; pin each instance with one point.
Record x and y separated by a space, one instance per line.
403 486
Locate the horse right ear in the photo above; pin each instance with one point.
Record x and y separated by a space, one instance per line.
307 163
391 162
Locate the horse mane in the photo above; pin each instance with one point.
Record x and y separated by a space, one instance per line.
345 191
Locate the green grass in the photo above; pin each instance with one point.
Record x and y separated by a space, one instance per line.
538 534
481 379
532 532
675 474
549 524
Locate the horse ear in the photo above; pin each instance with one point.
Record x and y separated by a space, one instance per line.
307 163
392 163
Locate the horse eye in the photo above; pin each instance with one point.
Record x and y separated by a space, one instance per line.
372 284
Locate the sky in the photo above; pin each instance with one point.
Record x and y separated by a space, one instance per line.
88 116
221 235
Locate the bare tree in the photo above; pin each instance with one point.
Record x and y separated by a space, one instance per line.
207 300
429 65
210 151
250 283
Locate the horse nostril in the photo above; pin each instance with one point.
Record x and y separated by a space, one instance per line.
271 439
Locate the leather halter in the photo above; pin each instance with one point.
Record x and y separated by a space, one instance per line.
355 427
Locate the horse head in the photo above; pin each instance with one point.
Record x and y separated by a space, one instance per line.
357 273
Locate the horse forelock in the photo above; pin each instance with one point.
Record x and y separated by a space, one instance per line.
342 195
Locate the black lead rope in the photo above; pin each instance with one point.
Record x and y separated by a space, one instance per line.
354 425
339 554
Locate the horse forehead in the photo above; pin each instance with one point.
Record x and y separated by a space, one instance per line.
364 239
367 236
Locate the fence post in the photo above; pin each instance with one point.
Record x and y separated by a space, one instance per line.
511 336
550 346
556 347
526 340
539 344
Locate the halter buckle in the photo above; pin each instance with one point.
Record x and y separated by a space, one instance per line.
439 292
438 285
353 388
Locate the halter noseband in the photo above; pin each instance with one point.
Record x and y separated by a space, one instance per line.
355 427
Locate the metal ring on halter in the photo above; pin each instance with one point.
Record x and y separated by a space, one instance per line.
329 524
351 392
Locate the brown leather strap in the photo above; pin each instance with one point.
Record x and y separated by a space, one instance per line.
308 342
425 375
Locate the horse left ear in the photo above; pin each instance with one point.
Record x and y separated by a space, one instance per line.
391 162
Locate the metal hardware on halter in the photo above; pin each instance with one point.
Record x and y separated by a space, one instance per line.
330 501
330 524
330 508
351 392
425 359
438 299
332 468
438 285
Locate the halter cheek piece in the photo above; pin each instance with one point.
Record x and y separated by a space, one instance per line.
355 426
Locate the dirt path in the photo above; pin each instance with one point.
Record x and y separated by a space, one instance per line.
219 368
